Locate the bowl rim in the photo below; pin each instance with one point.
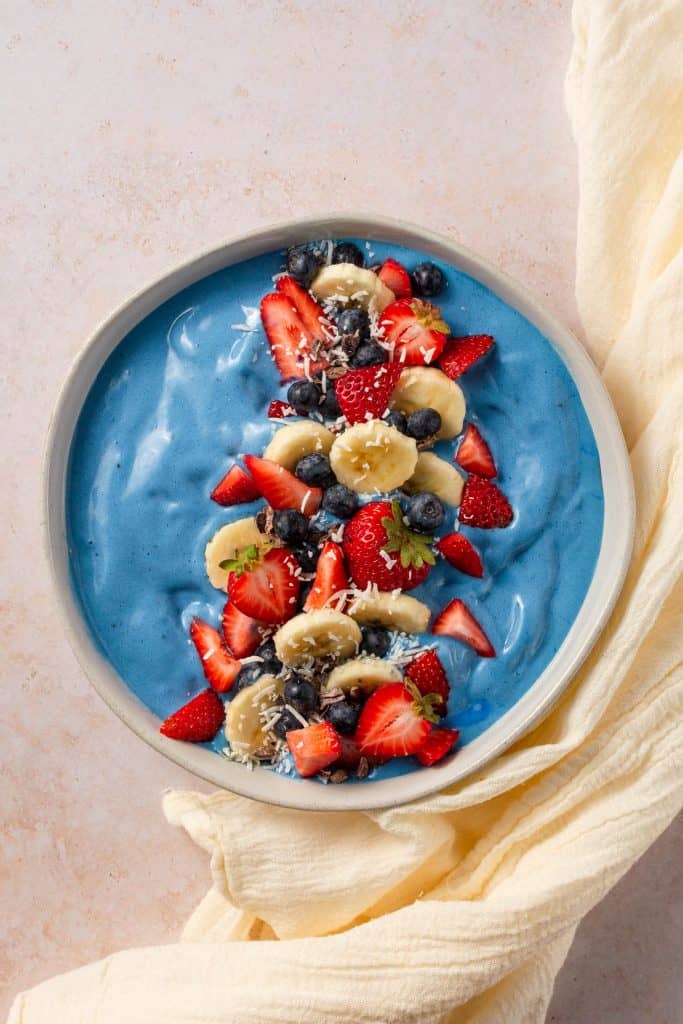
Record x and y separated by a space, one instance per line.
608 577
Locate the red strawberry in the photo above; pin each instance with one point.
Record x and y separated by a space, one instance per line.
416 329
313 748
350 754
474 454
279 410
380 548
460 353
220 668
235 488
437 744
429 675
242 634
364 394
457 550
396 277
312 315
394 722
282 489
457 620
291 342
198 721
330 578
483 504
264 586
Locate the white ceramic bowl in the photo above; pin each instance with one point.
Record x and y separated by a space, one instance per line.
615 550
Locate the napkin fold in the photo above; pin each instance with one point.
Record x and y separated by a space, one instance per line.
462 908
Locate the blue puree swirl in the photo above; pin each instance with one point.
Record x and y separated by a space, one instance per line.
186 392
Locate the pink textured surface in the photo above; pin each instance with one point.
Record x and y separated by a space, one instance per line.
139 133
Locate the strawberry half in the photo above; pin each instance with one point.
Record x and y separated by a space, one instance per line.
312 315
437 744
291 342
462 555
242 634
264 584
364 394
396 277
429 675
282 489
235 488
380 549
279 410
220 668
394 722
474 454
198 721
416 330
313 748
457 620
460 353
330 578
484 505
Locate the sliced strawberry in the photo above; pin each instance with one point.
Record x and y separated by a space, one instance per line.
484 505
330 578
474 454
364 394
396 277
393 722
312 315
220 668
291 342
429 675
279 410
235 488
457 620
458 551
264 584
437 744
416 330
460 353
313 748
242 634
198 721
282 489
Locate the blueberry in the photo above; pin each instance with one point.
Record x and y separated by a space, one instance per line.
428 280
315 470
354 321
347 252
302 695
343 716
307 555
369 353
304 395
262 520
340 501
302 265
290 525
287 722
330 404
271 664
423 424
425 512
304 590
375 641
398 420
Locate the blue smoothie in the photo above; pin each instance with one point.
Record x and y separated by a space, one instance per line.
187 391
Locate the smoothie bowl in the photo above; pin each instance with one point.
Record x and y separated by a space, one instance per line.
335 512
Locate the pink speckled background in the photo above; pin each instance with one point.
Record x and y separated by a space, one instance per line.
132 134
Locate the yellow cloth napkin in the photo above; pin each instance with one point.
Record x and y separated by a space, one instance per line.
462 908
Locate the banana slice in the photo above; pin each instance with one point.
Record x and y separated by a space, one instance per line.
421 387
438 476
244 726
317 634
365 673
346 280
373 456
395 611
291 443
225 543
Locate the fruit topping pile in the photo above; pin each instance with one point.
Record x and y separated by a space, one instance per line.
324 653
